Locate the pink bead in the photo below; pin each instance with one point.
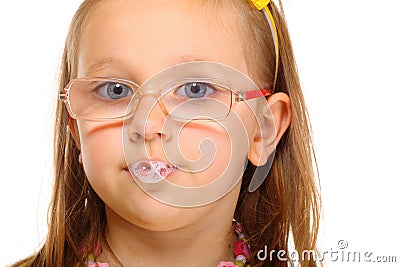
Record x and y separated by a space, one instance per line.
241 248
97 264
238 228
226 264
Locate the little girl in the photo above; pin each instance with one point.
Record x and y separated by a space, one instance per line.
182 139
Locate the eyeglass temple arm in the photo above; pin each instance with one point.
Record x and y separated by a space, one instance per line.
241 96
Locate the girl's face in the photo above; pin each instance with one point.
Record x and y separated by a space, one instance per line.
134 40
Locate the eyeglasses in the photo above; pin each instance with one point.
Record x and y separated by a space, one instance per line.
184 92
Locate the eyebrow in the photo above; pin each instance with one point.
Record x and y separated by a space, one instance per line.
100 65
188 58
106 63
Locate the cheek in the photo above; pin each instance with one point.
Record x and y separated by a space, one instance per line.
206 150
101 148
214 150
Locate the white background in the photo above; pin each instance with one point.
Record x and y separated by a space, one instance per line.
348 58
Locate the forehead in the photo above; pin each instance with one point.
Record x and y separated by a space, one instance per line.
140 38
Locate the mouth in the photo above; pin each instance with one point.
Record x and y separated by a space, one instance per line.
151 171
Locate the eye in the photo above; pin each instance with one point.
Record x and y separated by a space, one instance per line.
195 90
114 90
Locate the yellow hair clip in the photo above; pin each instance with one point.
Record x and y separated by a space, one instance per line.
262 5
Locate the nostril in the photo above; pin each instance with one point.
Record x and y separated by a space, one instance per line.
134 136
139 129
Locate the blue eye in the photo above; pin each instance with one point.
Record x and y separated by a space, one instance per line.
195 90
114 90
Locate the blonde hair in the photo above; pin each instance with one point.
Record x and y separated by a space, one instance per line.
287 201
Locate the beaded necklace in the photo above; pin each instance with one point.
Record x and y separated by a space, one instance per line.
240 250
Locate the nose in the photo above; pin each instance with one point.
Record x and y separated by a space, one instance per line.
148 120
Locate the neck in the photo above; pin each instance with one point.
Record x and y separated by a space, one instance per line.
203 243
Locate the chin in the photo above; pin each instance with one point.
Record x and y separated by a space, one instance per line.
150 214
140 209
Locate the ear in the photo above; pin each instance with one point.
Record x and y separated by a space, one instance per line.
272 125
74 132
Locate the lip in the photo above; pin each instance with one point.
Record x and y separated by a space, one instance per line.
151 171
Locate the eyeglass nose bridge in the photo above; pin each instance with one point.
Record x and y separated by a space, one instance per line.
148 91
